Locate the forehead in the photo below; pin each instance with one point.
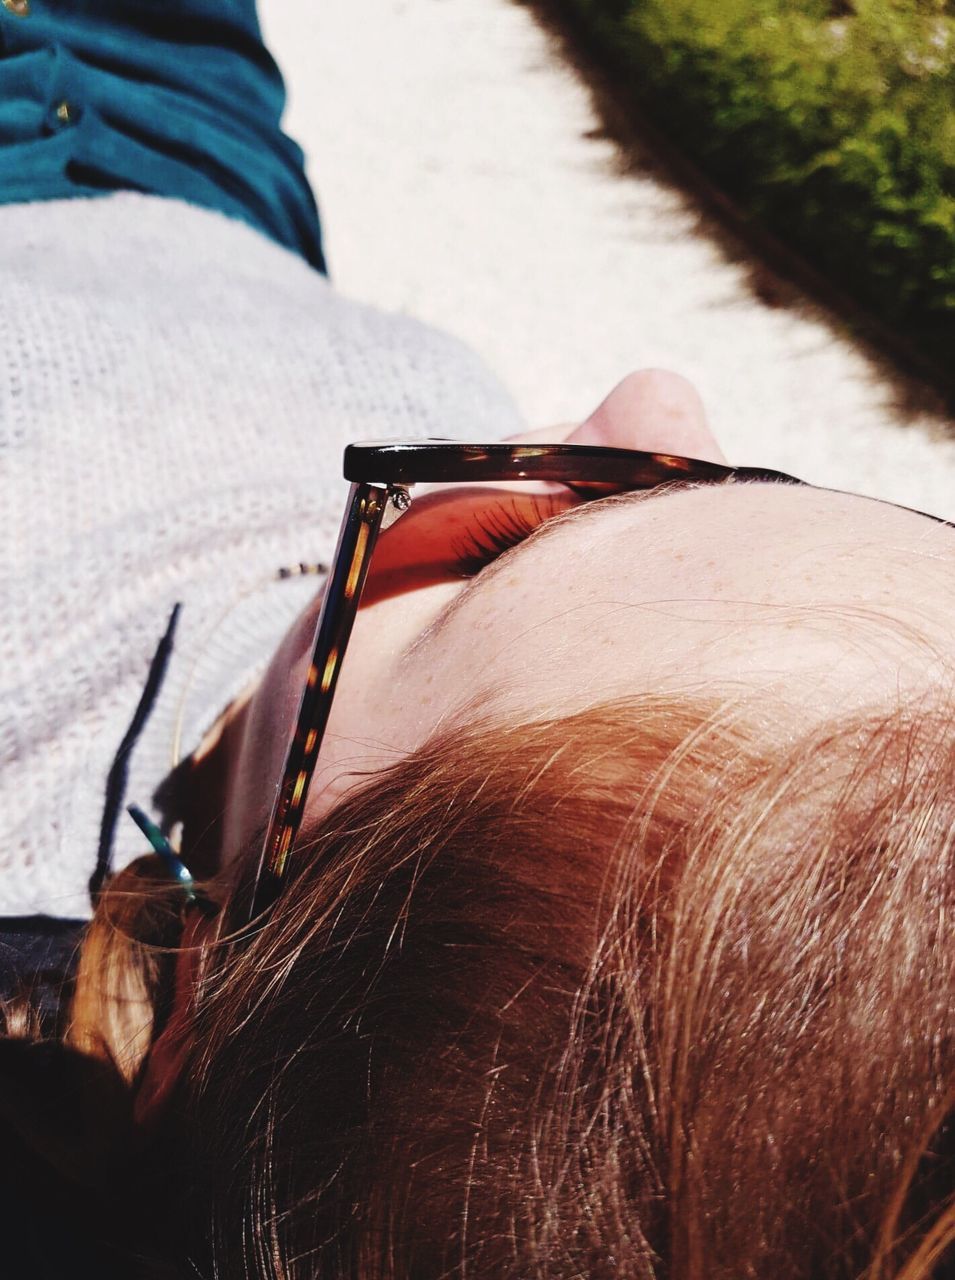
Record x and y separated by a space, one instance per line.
746 524
666 578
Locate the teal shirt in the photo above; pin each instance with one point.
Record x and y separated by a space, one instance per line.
170 97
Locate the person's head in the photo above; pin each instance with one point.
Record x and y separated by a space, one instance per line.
617 942
819 600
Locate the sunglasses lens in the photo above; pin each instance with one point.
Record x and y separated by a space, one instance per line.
455 531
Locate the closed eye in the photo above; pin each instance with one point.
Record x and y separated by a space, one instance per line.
455 534
494 530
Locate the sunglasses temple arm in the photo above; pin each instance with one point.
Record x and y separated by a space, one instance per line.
356 542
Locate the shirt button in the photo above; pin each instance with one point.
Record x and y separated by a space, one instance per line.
64 112
19 8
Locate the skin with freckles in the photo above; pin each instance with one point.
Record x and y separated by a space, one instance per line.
818 600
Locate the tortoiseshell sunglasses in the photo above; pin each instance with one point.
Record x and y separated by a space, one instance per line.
382 474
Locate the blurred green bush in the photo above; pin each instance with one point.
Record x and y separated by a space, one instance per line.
832 123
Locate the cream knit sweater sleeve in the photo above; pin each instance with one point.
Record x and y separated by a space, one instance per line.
175 394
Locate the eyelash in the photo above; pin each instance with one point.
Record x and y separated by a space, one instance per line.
493 534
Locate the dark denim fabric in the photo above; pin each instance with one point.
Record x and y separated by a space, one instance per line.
37 958
170 97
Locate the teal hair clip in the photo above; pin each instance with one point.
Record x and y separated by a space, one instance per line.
160 843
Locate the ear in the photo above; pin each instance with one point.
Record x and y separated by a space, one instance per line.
196 792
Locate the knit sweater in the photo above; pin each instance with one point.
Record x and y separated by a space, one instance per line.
175 394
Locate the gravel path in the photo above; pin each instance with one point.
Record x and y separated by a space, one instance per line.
462 177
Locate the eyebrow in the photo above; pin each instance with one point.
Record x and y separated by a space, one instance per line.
579 514
594 509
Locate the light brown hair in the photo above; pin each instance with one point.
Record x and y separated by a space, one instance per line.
661 989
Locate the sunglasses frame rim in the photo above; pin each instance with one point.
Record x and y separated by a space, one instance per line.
401 462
